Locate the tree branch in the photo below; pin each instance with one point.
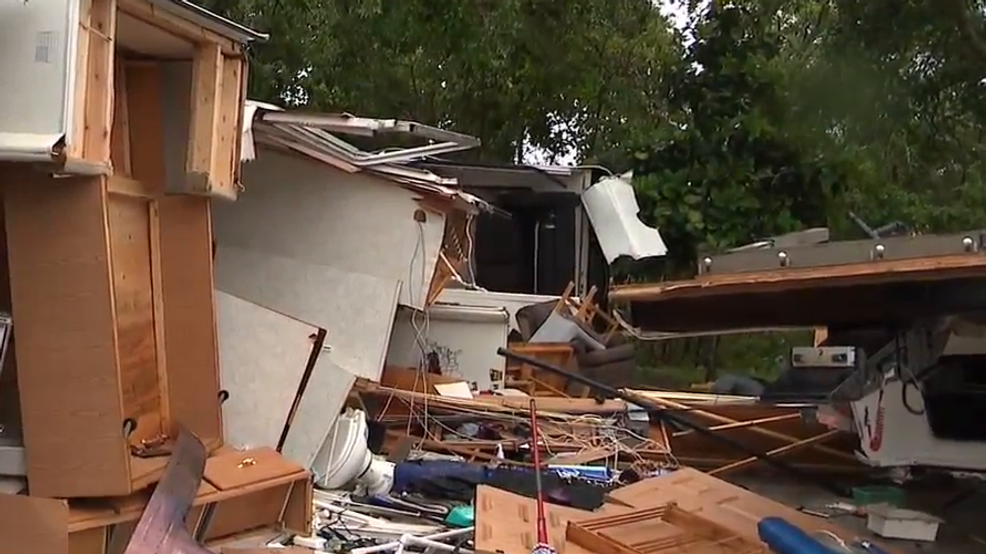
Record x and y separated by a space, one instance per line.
968 27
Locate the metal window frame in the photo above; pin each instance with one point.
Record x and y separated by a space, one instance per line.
317 128
971 243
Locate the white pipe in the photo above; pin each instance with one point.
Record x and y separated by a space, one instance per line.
397 544
411 539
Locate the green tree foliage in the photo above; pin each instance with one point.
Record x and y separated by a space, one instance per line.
765 117
784 115
555 75
898 85
728 164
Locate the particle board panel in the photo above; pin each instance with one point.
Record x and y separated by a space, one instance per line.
318 408
263 356
258 488
356 310
733 507
130 243
190 333
66 347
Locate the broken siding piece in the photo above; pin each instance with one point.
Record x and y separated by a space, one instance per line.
263 356
357 223
356 311
317 411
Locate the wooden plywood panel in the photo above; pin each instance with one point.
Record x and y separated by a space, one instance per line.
733 507
190 335
263 356
130 244
357 311
660 530
66 341
144 86
31 525
241 513
90 541
506 522
237 469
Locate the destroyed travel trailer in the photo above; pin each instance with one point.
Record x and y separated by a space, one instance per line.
897 365
566 225
228 327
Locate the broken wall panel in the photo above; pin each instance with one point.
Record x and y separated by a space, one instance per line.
357 223
463 340
263 356
357 311
318 408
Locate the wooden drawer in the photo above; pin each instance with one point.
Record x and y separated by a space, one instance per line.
241 497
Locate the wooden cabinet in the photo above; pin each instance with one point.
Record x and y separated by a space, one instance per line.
110 249
116 337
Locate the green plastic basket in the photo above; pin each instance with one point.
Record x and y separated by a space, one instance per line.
877 494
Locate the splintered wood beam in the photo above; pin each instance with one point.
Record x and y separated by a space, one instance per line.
231 99
217 105
125 186
240 112
207 76
96 141
77 139
120 138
